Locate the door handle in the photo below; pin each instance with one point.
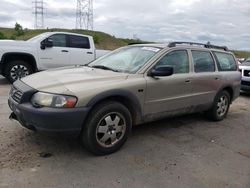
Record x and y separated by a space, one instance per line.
65 51
188 81
216 78
89 52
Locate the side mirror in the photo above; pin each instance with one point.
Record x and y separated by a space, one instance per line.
48 43
162 70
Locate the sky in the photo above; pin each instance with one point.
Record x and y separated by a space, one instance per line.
222 22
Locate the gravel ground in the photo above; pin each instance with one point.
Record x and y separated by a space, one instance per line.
185 152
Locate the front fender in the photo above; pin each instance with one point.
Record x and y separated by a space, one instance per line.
128 99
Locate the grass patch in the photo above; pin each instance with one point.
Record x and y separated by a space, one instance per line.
102 40
241 54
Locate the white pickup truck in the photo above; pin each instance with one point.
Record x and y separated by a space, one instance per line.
45 51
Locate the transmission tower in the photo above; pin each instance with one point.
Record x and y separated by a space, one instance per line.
39 14
84 14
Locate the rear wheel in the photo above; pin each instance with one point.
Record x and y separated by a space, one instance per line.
220 107
107 128
17 69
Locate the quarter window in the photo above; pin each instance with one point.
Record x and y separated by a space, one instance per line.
225 62
79 42
177 59
203 61
59 40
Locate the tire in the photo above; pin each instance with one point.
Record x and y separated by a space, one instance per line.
220 107
107 128
17 69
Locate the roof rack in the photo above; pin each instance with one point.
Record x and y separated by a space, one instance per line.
208 45
133 43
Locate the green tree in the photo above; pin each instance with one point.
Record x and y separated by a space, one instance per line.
19 29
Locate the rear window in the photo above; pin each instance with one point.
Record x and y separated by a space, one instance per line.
203 61
79 42
225 62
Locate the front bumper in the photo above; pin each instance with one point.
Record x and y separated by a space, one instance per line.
1 68
49 120
245 84
245 87
65 121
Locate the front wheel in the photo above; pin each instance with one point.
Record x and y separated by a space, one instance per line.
220 107
17 69
107 128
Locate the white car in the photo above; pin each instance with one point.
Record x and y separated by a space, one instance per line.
245 75
45 51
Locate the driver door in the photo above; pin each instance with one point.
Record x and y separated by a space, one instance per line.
170 94
56 56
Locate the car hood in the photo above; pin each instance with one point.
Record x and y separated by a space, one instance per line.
72 79
245 64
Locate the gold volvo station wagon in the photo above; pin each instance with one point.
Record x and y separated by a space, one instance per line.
101 101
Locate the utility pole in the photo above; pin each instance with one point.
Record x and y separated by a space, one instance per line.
84 14
39 14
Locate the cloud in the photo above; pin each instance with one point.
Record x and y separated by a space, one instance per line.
5 18
223 22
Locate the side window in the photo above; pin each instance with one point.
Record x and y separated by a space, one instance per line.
203 61
225 61
59 40
177 59
79 42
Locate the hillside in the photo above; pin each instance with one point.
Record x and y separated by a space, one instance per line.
102 40
241 54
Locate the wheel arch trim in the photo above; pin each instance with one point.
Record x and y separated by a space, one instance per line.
130 100
24 54
230 90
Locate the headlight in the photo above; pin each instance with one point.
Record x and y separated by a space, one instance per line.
40 99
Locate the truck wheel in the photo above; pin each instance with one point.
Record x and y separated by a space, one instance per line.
17 69
107 128
220 107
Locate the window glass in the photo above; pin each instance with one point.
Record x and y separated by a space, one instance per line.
127 59
177 59
79 42
59 40
225 62
203 61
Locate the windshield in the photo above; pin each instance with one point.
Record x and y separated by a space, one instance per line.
38 37
127 59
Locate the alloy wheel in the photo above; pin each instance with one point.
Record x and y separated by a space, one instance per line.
222 105
111 129
19 71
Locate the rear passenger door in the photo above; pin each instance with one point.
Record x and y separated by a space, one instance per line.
228 68
206 80
81 51
169 94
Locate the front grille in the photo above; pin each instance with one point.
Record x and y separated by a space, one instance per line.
245 83
16 94
247 73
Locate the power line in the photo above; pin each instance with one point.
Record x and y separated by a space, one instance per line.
38 11
84 14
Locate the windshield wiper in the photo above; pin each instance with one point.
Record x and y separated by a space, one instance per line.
104 68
